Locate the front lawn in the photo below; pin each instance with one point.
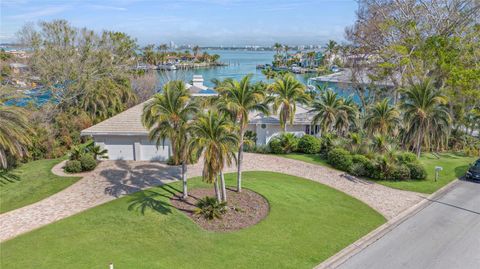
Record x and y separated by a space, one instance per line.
308 222
34 182
454 166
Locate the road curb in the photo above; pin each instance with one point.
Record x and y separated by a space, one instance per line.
362 243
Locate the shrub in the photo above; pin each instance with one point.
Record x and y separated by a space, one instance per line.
340 159
284 143
73 167
88 163
400 172
362 166
210 208
358 170
275 146
309 144
417 171
406 157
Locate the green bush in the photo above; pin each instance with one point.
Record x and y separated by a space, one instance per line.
400 172
73 167
309 144
340 158
284 143
88 163
275 146
358 170
210 208
417 171
362 166
406 157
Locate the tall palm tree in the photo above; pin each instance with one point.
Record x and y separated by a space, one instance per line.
287 91
286 48
383 118
15 132
330 49
278 48
196 51
426 117
311 58
167 116
214 136
326 108
238 99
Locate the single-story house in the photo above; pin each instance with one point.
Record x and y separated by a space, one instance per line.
125 137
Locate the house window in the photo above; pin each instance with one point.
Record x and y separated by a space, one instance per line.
312 129
264 126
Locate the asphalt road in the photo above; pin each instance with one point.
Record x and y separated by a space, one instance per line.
445 234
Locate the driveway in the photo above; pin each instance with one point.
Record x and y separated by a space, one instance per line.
445 234
112 179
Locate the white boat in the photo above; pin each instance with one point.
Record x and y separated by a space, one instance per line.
168 66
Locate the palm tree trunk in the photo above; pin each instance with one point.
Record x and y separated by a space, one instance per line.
224 189
240 159
217 191
184 180
419 144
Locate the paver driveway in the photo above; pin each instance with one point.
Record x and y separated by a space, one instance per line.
112 179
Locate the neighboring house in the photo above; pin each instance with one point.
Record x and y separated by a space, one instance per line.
19 68
125 137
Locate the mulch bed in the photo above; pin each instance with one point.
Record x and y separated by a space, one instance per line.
244 209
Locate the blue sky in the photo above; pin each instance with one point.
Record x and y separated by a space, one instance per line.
203 22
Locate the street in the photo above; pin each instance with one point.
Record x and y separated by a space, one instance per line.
445 234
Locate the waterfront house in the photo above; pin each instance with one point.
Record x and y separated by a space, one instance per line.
125 137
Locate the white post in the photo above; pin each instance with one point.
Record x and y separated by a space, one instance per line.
110 266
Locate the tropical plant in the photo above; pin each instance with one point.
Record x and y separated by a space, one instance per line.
283 143
96 151
214 136
333 112
287 91
210 208
239 99
15 132
427 120
167 116
383 118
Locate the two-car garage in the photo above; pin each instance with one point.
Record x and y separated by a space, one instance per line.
133 148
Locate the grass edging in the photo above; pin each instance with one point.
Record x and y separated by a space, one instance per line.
362 243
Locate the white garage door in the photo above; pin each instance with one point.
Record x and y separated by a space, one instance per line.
120 148
149 151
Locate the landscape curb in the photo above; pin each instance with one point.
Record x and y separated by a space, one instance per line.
362 243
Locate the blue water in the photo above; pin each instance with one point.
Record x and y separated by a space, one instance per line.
240 63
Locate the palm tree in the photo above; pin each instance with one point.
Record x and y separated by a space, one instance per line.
326 108
238 99
167 116
287 92
426 117
196 51
278 47
330 49
286 48
214 136
383 118
15 132
347 116
311 58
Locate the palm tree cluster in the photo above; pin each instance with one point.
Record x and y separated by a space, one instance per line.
161 54
213 130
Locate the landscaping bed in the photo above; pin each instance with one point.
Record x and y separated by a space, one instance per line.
243 209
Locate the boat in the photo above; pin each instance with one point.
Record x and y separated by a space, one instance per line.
168 66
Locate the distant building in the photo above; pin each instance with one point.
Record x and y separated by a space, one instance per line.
19 68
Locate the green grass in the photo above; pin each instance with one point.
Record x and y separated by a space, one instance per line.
34 182
454 166
308 222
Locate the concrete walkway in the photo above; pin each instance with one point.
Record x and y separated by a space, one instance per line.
112 179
